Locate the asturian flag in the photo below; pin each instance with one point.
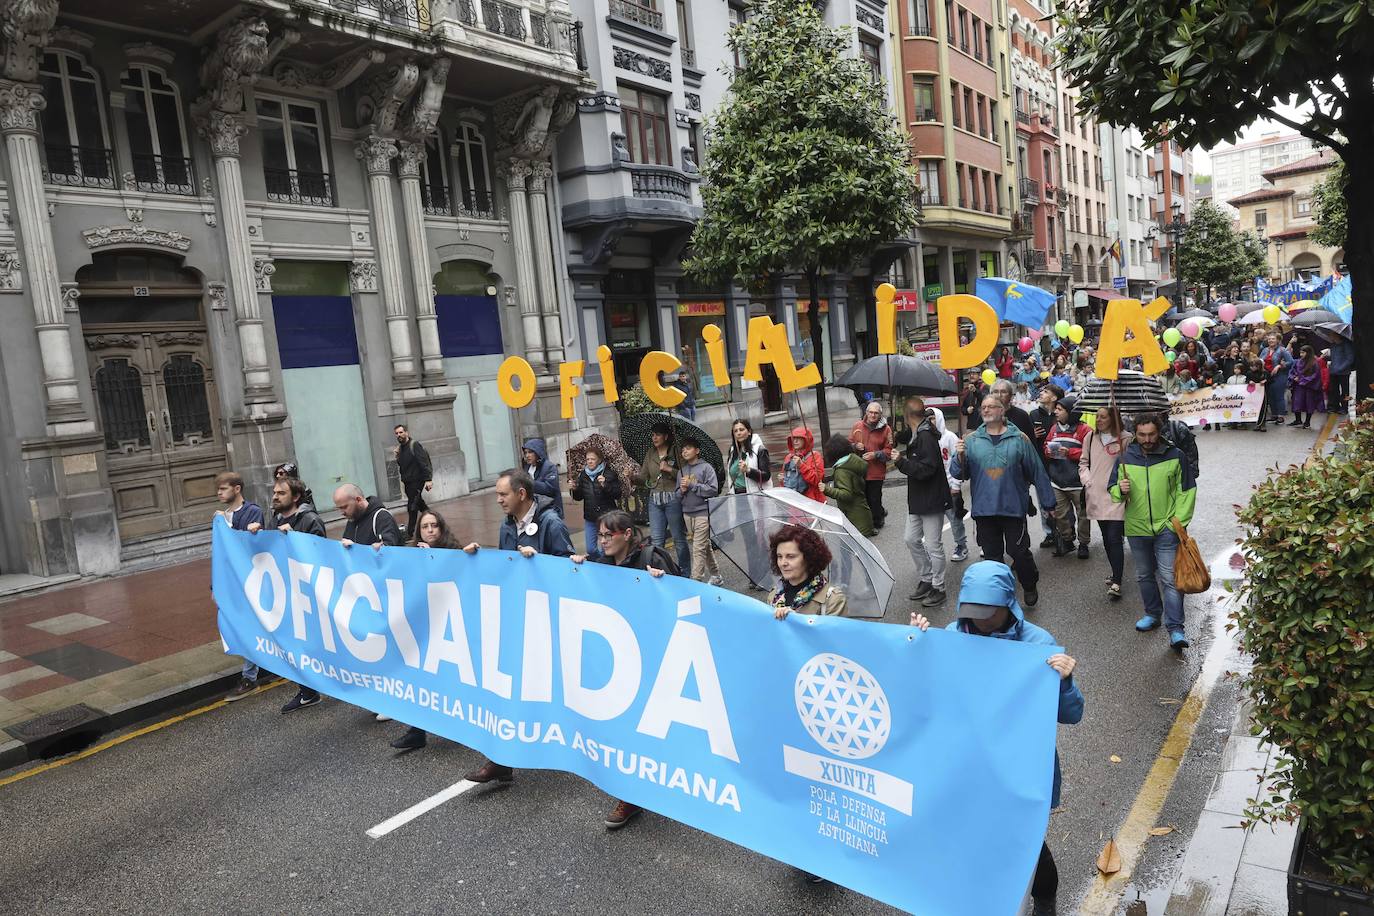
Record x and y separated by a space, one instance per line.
1015 302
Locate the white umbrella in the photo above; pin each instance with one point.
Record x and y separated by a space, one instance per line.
741 524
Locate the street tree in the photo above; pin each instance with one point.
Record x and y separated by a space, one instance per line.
1200 71
1329 209
1212 253
806 170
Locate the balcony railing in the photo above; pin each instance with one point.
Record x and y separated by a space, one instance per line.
922 31
1061 198
660 183
163 174
1030 190
295 186
1022 117
930 196
80 166
412 14
638 13
503 19
1038 260
475 205
926 114
436 199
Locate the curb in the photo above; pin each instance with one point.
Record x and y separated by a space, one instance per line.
90 728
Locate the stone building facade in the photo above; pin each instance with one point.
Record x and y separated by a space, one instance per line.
238 232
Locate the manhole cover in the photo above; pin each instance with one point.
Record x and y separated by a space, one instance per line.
52 724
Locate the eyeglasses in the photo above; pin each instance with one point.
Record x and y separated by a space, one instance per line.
607 535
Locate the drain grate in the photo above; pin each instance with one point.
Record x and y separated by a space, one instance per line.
53 725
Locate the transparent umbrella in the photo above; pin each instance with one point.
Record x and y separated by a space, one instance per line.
741 524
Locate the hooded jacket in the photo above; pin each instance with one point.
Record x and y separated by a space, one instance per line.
306 520
877 440
374 525
545 475
847 489
999 470
990 582
927 480
1162 486
949 441
550 536
810 463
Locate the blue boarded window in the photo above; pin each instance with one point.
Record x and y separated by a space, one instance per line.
315 331
468 325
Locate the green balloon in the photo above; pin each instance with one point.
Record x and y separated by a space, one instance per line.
1171 356
1061 328
1172 337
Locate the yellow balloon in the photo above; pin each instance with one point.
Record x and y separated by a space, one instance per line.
989 377
1076 333
1271 314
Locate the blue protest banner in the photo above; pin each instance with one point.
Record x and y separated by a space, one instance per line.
912 767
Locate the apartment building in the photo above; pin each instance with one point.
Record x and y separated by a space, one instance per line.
1239 169
1089 203
1172 170
1281 213
242 233
1130 189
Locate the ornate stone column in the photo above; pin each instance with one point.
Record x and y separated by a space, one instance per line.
516 172
421 273
222 131
545 268
376 154
20 104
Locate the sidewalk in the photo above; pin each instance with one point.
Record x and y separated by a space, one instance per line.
87 658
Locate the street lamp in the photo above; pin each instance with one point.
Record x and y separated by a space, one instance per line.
1175 229
1278 258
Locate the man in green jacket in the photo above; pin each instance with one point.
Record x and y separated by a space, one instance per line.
1155 481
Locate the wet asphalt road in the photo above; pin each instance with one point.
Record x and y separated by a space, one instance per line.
245 810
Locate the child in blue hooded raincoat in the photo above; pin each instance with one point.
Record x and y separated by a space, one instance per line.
988 607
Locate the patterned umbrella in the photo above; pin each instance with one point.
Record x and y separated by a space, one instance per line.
741 524
1132 392
611 450
636 437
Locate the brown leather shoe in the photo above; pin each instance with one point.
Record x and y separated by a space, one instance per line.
490 770
620 815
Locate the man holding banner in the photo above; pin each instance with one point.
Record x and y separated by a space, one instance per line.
532 526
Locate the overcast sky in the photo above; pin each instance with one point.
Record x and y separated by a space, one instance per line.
1202 162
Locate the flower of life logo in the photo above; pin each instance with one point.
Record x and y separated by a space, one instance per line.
842 706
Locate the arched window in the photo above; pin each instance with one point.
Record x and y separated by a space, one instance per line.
434 187
157 132
75 136
474 185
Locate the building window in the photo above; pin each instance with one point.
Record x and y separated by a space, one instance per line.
1304 206
434 192
982 116
959 182
954 113
474 183
929 175
293 152
1261 221
977 38
923 97
644 118
918 17
872 54
694 140
992 118
990 201
987 38
968 110
75 138
684 35
974 183
157 133
737 16
963 31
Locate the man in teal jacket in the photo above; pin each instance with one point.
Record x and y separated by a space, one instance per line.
1155 481
1000 464
987 607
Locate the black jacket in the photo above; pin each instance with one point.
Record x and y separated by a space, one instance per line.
642 556
306 520
927 487
599 498
1183 438
412 463
1042 421
375 524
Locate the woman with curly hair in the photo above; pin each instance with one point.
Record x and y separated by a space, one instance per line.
800 558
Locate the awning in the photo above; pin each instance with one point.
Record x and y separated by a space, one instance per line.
1107 295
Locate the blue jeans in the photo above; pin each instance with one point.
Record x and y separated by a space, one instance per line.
665 518
956 523
1277 393
1154 569
590 528
250 671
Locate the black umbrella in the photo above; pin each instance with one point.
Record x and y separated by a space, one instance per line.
1314 317
897 373
636 436
1132 392
1333 332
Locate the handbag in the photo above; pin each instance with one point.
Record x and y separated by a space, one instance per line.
1191 576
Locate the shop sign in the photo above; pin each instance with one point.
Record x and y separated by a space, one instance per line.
932 291
691 309
908 300
804 306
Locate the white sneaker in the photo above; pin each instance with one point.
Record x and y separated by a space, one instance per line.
717 581
383 717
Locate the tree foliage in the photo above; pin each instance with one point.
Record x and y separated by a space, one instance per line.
1212 253
805 167
1329 208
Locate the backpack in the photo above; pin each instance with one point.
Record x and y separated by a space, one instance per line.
1183 438
650 554
792 478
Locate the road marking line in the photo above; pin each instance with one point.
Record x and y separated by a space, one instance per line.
137 733
1104 896
424 807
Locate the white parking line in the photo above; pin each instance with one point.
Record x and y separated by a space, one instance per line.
414 811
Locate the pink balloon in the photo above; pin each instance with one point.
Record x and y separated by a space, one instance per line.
1189 328
1024 344
1227 312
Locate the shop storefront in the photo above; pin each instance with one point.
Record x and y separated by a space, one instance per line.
804 332
693 315
629 326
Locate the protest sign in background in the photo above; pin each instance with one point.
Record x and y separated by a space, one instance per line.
1218 404
915 768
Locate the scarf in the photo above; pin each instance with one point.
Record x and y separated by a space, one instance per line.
595 472
804 594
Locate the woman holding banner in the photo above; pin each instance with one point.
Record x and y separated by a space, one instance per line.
429 531
800 559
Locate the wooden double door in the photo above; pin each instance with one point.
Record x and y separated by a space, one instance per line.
154 387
